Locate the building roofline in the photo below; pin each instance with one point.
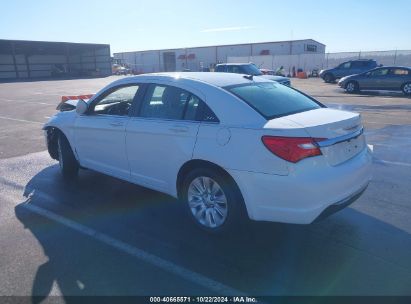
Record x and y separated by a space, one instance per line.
220 45
54 42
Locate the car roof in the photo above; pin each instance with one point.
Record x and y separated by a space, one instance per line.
390 67
363 60
211 78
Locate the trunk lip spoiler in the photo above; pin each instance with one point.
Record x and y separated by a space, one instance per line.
336 140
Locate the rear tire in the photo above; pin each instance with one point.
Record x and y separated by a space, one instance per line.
406 88
68 163
328 78
213 201
351 87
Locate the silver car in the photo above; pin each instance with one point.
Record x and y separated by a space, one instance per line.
382 78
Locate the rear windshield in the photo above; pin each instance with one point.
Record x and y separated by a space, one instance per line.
273 100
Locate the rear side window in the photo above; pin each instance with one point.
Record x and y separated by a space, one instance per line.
168 102
273 100
197 110
164 102
399 72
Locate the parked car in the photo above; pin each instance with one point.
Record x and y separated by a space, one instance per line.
229 147
314 73
348 68
121 70
384 78
249 69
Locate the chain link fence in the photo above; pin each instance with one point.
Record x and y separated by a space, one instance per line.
309 62
306 62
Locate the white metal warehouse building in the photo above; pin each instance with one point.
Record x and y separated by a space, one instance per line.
198 58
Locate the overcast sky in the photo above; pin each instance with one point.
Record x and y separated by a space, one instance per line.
129 25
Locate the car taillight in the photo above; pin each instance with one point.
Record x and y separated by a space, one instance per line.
292 149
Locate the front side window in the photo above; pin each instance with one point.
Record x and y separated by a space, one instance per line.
234 69
220 68
272 99
379 72
117 102
358 64
251 69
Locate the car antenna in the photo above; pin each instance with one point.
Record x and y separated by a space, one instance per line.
249 77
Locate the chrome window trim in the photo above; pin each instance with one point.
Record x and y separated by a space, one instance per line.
336 140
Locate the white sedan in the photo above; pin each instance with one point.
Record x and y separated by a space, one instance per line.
229 146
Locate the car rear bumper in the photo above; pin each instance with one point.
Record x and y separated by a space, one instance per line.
305 195
341 204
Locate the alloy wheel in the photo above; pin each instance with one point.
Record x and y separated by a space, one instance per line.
350 87
207 202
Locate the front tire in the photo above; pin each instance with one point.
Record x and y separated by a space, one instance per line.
213 200
68 163
406 88
351 87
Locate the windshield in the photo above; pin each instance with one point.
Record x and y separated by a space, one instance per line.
273 100
251 69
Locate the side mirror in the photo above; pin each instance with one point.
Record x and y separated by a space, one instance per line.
81 107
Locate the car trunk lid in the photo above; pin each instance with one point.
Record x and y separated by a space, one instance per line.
338 133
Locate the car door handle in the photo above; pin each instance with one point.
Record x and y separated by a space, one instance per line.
179 129
117 124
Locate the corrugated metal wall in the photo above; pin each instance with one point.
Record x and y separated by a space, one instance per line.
25 59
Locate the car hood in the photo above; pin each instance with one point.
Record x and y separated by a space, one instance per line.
349 77
326 70
275 78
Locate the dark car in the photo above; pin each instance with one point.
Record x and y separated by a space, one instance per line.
382 78
249 69
348 68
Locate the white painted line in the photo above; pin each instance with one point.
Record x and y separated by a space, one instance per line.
149 258
21 120
30 102
381 161
395 146
381 123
